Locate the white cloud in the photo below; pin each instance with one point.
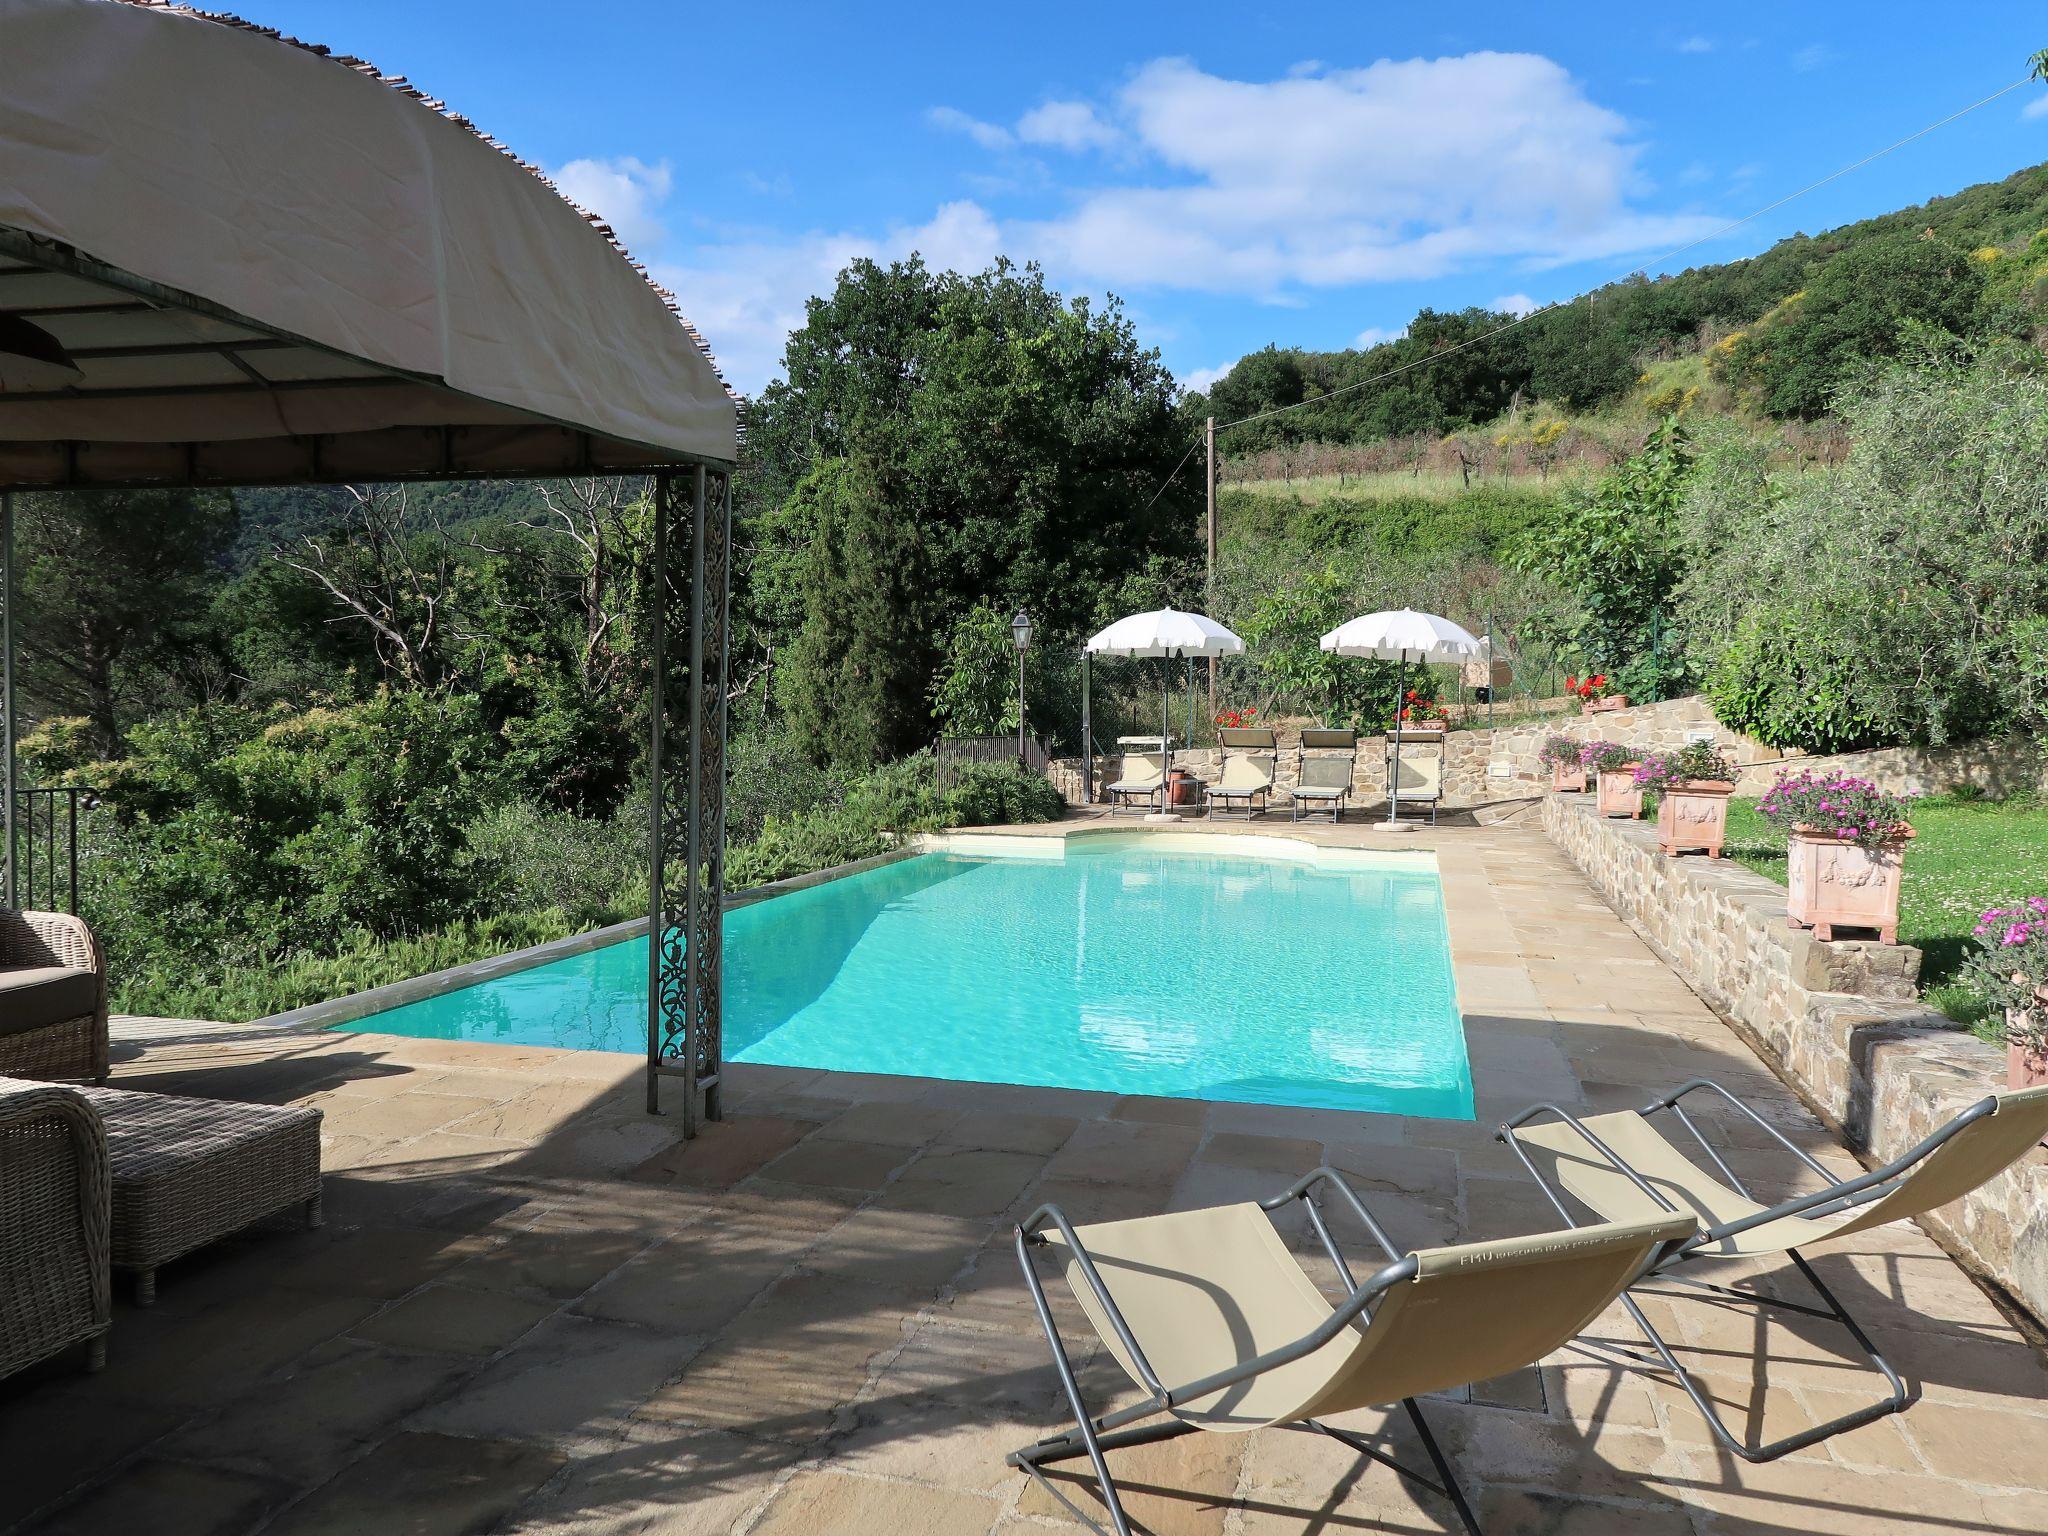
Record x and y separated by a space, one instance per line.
627 193
1400 170
1263 190
1072 125
953 120
1373 335
2038 107
1197 381
1696 44
1517 304
1813 56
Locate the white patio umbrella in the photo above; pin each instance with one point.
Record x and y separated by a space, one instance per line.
1395 634
1166 633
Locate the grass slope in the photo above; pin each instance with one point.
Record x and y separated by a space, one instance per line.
1969 855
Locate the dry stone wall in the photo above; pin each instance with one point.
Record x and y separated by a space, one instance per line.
1484 767
1840 1020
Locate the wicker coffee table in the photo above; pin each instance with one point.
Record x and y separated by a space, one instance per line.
189 1171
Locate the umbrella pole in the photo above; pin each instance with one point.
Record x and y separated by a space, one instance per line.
1165 739
1400 702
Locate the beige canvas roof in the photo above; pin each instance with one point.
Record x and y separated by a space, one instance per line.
268 264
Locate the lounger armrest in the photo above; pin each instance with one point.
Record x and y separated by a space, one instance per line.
1301 1189
1670 1102
1029 1232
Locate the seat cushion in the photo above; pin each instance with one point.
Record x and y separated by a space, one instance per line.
36 996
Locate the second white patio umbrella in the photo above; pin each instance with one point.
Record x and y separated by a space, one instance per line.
1395 634
1166 633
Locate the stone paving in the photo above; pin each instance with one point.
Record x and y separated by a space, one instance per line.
535 1309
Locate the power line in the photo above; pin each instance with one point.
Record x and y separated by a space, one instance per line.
1499 330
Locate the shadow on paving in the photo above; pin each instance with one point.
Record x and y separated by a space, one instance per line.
600 1327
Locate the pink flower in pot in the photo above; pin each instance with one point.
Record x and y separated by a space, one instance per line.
1844 856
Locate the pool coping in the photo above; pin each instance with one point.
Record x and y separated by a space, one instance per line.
352 1006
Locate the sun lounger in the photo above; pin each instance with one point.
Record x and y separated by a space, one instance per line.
1139 786
1322 785
1223 1330
1246 782
1417 774
1623 1168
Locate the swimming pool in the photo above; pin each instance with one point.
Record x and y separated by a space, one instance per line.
1274 974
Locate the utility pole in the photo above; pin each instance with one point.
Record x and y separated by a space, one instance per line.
1209 482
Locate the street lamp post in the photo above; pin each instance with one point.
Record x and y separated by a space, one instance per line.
1020 631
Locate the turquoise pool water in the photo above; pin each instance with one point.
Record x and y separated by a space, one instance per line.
1110 965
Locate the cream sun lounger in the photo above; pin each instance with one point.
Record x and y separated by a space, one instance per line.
1621 1166
1247 778
1224 1331
1417 776
1142 783
1323 784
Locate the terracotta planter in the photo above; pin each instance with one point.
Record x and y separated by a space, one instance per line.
1619 794
2026 1067
1602 706
1567 780
1694 815
1183 788
1831 884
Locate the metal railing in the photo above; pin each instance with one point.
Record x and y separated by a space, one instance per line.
951 751
45 863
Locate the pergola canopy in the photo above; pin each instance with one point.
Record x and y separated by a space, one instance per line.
265 264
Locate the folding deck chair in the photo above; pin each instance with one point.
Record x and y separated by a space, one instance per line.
1622 1167
1323 784
1142 783
1212 1302
1416 777
1247 777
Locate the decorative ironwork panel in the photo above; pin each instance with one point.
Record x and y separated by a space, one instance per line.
710 584
671 759
688 621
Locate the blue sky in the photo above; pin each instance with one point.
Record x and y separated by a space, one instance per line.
1309 174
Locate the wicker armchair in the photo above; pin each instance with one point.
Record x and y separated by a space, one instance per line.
55 1213
53 998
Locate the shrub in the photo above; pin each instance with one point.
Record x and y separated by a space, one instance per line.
769 774
992 794
902 796
796 845
234 837
531 858
1835 805
2008 964
1558 752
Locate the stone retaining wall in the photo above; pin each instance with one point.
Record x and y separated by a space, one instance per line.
1483 767
1840 1021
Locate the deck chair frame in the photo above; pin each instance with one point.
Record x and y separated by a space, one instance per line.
1094 1436
1394 790
1256 799
1841 1195
1123 798
1323 802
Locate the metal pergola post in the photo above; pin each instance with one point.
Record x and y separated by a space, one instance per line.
686 772
7 732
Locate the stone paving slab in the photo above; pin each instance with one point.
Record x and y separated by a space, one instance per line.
535 1309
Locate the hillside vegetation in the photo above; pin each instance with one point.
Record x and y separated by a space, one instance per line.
1777 335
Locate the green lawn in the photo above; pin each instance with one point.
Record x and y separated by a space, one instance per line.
1969 855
